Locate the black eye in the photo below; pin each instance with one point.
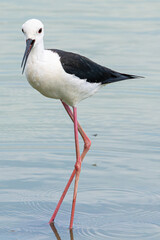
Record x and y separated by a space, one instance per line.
22 30
40 30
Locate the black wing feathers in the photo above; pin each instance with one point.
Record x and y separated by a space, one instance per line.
84 68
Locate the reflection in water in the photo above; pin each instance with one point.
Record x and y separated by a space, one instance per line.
57 234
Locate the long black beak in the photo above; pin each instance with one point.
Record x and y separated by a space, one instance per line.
29 45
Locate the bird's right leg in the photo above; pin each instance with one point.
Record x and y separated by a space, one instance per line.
87 144
87 141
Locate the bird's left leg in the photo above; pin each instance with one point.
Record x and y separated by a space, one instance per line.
77 165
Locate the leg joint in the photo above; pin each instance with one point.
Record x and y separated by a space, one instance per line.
78 166
87 144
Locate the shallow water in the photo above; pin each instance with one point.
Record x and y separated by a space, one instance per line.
119 189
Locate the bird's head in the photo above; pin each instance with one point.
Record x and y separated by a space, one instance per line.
33 30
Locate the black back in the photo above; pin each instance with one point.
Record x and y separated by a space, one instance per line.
84 68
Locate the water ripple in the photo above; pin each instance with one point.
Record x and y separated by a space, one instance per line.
114 214
126 214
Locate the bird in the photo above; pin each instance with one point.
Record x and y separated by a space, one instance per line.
69 77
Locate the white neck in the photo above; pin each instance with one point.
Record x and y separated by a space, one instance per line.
38 50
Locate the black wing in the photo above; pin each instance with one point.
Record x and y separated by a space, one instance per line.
84 68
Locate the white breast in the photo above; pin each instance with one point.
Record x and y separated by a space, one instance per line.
47 75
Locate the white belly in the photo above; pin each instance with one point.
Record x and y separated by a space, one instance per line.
49 78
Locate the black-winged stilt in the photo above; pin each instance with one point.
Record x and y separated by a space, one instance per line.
66 76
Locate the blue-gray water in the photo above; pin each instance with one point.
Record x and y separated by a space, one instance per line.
119 188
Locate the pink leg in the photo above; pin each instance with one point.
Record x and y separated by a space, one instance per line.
77 165
87 144
87 141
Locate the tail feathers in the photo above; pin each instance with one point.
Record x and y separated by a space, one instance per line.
116 76
128 76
